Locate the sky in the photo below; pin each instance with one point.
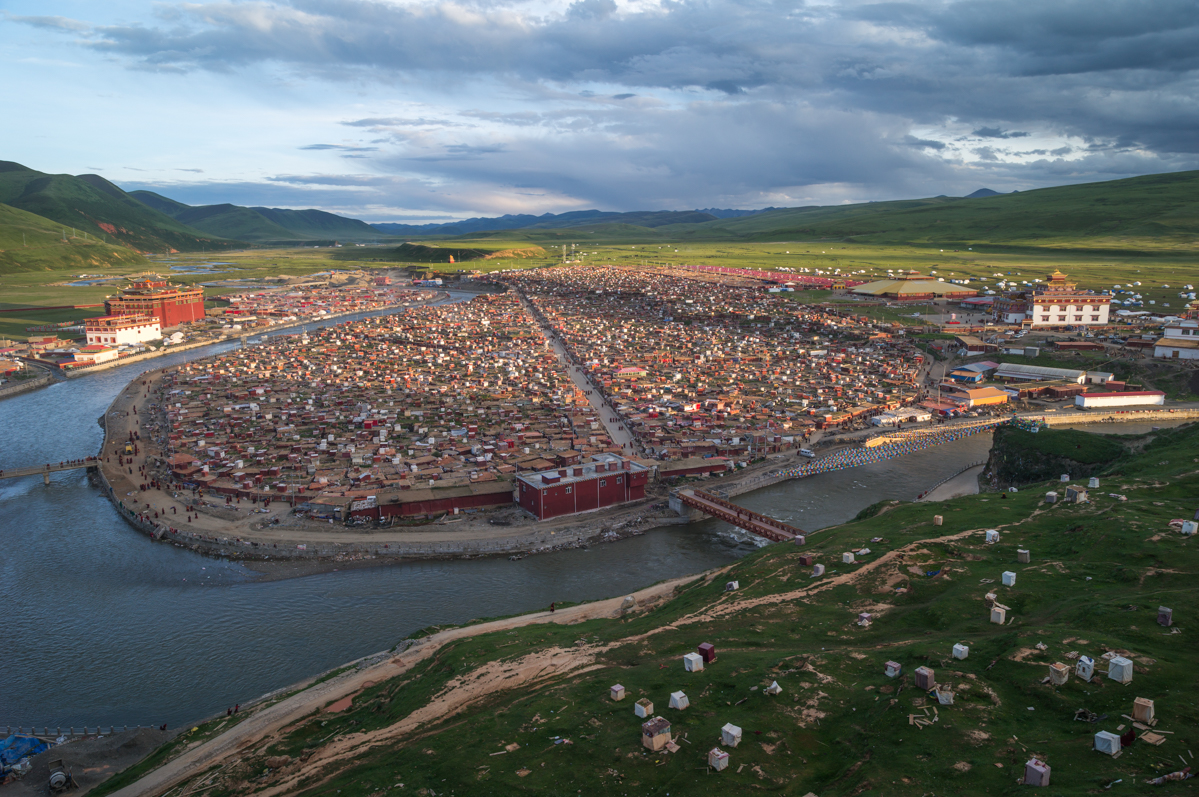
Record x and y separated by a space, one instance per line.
427 110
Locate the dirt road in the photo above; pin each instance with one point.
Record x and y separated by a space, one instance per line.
274 717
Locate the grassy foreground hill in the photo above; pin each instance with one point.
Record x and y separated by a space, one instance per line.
89 203
523 708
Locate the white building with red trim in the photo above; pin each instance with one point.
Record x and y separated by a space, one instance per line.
122 330
1056 303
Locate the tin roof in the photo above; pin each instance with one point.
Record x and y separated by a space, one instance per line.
589 470
1036 372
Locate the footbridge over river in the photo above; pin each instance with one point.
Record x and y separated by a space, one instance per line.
46 470
739 516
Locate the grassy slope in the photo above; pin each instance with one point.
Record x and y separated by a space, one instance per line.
31 243
86 202
1114 214
316 224
1157 212
261 224
841 727
234 221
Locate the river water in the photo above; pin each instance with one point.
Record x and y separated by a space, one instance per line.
104 627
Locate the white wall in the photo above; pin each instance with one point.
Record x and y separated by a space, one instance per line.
126 336
1084 400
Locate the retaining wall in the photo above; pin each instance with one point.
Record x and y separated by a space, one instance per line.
24 386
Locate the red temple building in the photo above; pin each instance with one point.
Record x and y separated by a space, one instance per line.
608 479
170 304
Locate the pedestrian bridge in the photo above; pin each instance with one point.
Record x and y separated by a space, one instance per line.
46 470
739 516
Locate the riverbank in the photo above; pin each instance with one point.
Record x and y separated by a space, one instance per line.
24 386
272 536
163 351
343 683
524 705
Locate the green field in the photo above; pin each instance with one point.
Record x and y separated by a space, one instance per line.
840 727
38 287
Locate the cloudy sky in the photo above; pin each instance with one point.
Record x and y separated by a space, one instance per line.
428 110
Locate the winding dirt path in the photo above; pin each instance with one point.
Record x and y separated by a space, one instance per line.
459 694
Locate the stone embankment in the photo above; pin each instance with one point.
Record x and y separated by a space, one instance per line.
24 386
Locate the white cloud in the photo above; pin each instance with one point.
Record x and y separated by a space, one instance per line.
490 106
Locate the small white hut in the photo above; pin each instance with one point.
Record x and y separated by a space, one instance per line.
1120 669
730 735
1106 742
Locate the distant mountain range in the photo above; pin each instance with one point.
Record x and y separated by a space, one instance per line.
261 225
65 219
554 221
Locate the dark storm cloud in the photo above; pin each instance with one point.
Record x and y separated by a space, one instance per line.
842 86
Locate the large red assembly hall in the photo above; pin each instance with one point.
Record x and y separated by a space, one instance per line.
608 479
170 304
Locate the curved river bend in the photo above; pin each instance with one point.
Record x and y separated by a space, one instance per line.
104 627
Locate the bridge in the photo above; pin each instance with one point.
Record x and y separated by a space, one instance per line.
46 470
742 518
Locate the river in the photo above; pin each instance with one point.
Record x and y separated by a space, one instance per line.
104 627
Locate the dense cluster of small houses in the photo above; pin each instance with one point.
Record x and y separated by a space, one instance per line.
456 397
272 306
437 408
700 367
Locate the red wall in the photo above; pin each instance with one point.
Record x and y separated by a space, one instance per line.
440 505
554 500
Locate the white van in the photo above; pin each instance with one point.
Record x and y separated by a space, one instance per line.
806 452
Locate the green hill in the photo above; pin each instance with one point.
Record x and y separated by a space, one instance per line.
319 224
31 243
523 707
432 253
1153 211
234 221
261 225
91 204
1158 213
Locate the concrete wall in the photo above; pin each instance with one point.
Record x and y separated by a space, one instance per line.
18 387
